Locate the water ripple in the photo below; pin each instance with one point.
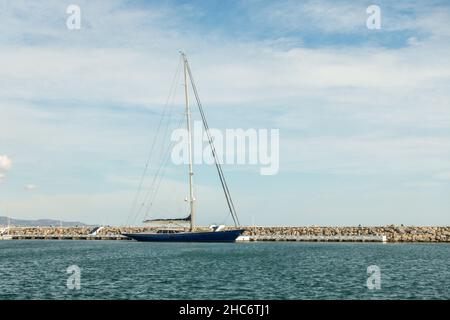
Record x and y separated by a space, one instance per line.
131 270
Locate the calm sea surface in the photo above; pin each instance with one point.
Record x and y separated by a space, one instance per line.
134 270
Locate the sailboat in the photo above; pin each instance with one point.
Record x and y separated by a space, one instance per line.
4 233
217 233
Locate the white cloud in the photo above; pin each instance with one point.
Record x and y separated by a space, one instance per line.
5 163
265 75
444 175
228 71
422 184
369 88
349 17
359 109
326 16
30 187
365 155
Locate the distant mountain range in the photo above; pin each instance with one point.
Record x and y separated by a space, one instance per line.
39 223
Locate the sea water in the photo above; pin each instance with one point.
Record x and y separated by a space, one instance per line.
48 269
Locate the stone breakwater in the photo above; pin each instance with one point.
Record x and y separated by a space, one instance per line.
392 232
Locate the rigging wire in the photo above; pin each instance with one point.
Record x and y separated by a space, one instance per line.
213 150
163 160
150 153
152 197
162 163
160 177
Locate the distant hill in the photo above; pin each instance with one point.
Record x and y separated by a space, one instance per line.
39 222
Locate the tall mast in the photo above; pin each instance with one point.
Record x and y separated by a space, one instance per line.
188 118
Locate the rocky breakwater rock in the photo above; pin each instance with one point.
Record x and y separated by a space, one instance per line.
392 232
49 231
114 231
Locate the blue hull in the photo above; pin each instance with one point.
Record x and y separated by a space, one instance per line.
208 236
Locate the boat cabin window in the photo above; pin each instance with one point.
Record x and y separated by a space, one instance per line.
167 231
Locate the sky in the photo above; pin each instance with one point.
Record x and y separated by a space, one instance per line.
363 114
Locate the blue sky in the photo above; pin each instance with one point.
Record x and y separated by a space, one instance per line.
364 115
